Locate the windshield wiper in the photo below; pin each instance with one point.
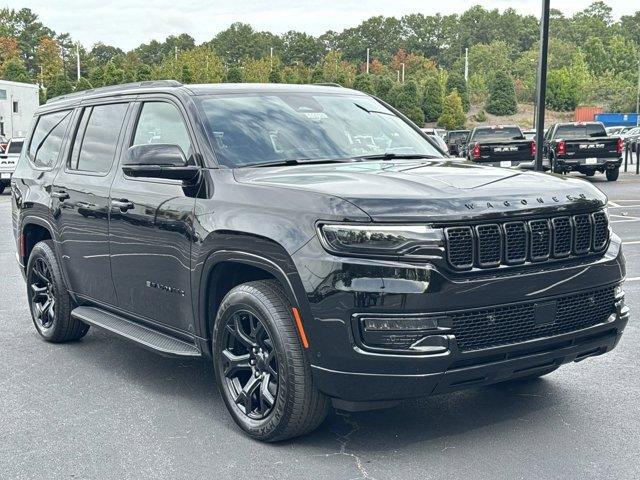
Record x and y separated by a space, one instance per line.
373 111
281 163
393 156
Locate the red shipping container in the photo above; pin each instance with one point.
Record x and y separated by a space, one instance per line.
586 114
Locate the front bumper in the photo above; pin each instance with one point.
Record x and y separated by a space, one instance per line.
339 289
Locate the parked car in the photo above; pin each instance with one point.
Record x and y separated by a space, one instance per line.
8 162
310 243
501 146
583 147
630 138
455 140
619 130
437 138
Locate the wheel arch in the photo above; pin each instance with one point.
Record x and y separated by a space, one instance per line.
228 267
32 231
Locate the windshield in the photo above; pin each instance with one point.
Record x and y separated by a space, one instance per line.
581 131
455 136
253 129
15 146
496 134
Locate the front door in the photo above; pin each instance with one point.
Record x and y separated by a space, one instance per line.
150 229
81 200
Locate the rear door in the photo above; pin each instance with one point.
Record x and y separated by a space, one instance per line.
81 200
150 237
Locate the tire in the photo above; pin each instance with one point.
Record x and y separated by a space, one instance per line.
2 187
554 166
257 316
612 175
590 173
53 320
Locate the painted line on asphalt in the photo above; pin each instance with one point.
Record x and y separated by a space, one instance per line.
632 279
632 242
615 205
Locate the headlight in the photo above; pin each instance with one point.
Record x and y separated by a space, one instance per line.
379 239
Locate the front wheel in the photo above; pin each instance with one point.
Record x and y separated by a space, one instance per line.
49 299
612 174
263 376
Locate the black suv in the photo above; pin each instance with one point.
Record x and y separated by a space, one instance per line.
311 242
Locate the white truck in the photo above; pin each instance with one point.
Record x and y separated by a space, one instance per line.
8 161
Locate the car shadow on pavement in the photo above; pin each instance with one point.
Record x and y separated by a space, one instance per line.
193 383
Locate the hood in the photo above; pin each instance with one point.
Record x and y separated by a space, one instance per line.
435 190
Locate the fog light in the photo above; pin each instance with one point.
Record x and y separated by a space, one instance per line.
408 334
400 323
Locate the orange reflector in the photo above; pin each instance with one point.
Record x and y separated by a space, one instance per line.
303 336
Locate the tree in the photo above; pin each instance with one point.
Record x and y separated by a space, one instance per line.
383 85
407 98
562 91
502 95
60 85
364 83
301 47
14 70
234 75
456 81
185 76
82 84
275 75
50 61
432 101
452 117
112 75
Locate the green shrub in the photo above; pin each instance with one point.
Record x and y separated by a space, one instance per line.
502 95
452 117
432 101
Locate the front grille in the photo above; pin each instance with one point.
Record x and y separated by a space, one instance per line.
492 327
517 242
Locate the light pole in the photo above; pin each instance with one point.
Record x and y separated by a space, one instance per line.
402 72
367 61
78 60
542 82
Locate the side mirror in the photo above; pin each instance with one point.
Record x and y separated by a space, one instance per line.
158 160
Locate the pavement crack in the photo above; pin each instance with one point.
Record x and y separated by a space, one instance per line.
343 440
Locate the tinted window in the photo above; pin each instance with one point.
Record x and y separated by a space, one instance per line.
162 122
248 129
577 130
493 134
457 136
15 146
47 137
95 144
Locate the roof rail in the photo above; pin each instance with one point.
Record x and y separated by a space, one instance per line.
328 84
117 88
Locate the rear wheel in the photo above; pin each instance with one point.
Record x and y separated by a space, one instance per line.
590 173
49 299
2 187
612 174
554 166
260 367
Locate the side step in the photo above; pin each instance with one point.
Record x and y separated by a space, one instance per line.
145 336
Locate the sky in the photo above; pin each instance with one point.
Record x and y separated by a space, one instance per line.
128 23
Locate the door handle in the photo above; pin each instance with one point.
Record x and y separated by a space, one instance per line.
123 205
60 194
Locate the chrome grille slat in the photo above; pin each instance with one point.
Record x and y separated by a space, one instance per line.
489 245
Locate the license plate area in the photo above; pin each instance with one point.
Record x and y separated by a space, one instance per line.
591 161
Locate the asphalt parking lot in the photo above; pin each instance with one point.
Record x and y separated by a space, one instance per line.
104 408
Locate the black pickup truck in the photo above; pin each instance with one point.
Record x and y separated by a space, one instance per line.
455 140
500 146
583 147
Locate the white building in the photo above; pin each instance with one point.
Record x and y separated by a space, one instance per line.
18 102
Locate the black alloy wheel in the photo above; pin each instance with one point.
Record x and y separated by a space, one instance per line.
250 364
42 290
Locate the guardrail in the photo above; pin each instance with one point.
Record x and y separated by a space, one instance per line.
628 158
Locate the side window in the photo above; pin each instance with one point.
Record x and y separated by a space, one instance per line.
162 122
96 140
47 137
